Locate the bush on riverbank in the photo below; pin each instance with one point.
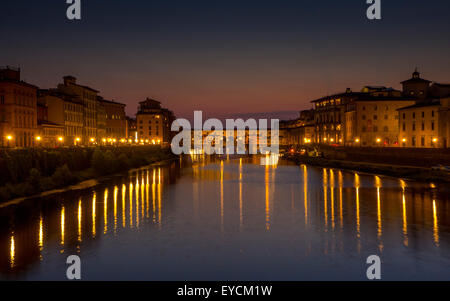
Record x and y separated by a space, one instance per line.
27 172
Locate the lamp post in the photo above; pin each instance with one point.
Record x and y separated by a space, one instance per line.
9 138
38 140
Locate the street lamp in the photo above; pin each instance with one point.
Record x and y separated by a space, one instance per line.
9 138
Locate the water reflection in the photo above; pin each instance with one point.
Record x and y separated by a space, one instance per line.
231 202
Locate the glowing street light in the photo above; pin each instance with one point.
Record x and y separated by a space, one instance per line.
60 139
9 138
38 138
435 140
92 140
378 140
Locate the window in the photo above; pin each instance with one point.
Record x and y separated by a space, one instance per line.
422 141
386 129
364 129
375 129
363 117
404 127
432 125
375 117
413 126
423 126
375 108
423 114
432 113
386 117
414 115
404 116
413 141
2 99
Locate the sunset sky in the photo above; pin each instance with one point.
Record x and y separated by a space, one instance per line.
226 57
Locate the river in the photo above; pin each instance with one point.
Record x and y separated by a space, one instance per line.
205 218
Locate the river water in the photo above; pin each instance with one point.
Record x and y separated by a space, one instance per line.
204 218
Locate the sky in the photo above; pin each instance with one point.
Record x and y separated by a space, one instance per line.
225 57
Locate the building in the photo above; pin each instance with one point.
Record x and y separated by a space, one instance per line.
88 97
100 113
115 119
330 117
66 110
425 124
372 119
154 122
132 129
18 110
300 131
49 133
419 125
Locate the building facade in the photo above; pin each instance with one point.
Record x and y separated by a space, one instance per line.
300 131
425 124
88 97
329 117
115 119
66 110
18 110
154 123
372 119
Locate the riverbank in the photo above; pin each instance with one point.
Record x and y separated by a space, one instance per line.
418 173
37 171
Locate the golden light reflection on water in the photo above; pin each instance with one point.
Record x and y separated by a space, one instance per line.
332 197
124 195
79 220
378 185
221 197
241 217
94 215
154 195
63 225
358 220
12 252
159 198
341 185
325 198
305 192
435 224
267 198
131 205
147 193
405 221
385 223
137 202
41 233
105 211
116 191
